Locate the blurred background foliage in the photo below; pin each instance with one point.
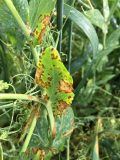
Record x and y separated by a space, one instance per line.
94 63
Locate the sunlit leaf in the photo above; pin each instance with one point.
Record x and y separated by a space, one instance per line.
55 80
39 17
40 9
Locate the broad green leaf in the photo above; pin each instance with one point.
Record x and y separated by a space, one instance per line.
65 126
96 18
40 137
55 80
81 21
38 10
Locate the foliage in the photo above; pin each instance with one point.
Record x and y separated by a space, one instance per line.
38 119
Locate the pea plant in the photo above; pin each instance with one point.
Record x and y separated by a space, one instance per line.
59 79
40 119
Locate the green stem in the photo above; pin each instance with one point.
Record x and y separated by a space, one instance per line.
104 40
16 15
1 152
20 97
22 25
68 148
34 53
28 138
51 118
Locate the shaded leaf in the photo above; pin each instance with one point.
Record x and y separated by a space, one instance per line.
113 39
81 21
96 18
8 24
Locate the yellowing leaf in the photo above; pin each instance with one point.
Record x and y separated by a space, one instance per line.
55 80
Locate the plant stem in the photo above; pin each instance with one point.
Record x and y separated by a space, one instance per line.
51 118
16 15
22 25
28 138
1 152
68 148
34 53
20 97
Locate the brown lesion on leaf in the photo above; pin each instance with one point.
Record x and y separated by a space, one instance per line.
62 106
49 78
39 74
65 87
54 54
45 22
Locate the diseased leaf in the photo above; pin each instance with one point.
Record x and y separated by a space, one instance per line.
55 80
64 127
38 10
40 17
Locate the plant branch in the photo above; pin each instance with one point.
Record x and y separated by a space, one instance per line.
51 118
21 97
30 133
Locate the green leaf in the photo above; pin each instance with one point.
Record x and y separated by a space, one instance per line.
101 58
82 22
40 137
113 39
96 18
55 80
65 126
38 10
8 24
